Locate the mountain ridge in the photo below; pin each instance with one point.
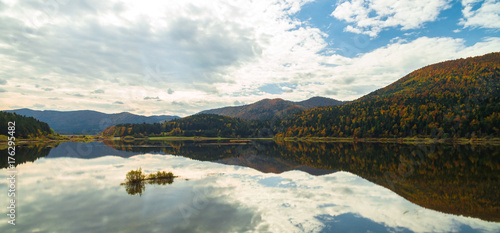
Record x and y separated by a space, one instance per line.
269 108
86 121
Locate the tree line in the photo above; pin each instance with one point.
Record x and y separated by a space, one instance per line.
26 127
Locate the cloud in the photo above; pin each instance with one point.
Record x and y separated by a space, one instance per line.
370 17
2 90
118 102
76 95
47 89
331 92
38 106
182 43
195 46
151 98
178 103
367 72
207 54
3 81
98 91
483 14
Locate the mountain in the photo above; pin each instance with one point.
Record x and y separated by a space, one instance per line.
269 108
319 102
85 121
22 127
458 98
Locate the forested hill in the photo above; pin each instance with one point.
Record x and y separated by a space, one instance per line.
269 108
206 125
458 98
25 127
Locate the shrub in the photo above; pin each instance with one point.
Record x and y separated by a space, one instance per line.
135 176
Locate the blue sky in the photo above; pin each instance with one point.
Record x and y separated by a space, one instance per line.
181 57
318 14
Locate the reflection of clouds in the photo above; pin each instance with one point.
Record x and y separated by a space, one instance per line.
84 195
347 223
216 216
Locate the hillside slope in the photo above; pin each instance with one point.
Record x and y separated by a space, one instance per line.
458 98
24 127
205 125
86 122
269 108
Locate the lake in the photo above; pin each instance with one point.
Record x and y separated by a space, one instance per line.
255 186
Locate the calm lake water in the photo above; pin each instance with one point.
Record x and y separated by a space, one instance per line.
256 186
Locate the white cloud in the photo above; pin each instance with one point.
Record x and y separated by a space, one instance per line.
124 47
385 65
486 15
196 55
370 17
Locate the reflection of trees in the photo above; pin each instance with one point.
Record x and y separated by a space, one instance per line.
134 188
457 179
204 151
26 153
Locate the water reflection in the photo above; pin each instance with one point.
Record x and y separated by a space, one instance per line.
456 179
84 195
140 187
135 188
26 152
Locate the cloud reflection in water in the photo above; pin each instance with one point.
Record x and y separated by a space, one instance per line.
84 195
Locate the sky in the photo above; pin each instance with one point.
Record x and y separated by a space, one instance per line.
182 57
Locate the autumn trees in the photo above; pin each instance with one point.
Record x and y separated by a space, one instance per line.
459 98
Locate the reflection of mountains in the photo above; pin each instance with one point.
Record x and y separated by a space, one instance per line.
33 151
88 150
271 164
248 155
457 179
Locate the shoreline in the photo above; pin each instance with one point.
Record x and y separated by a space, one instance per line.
475 141
87 138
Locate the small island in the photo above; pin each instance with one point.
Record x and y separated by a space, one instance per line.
135 180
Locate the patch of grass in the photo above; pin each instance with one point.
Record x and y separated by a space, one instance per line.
160 175
406 140
196 138
136 176
136 180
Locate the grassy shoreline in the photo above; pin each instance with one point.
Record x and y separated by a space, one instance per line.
413 140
